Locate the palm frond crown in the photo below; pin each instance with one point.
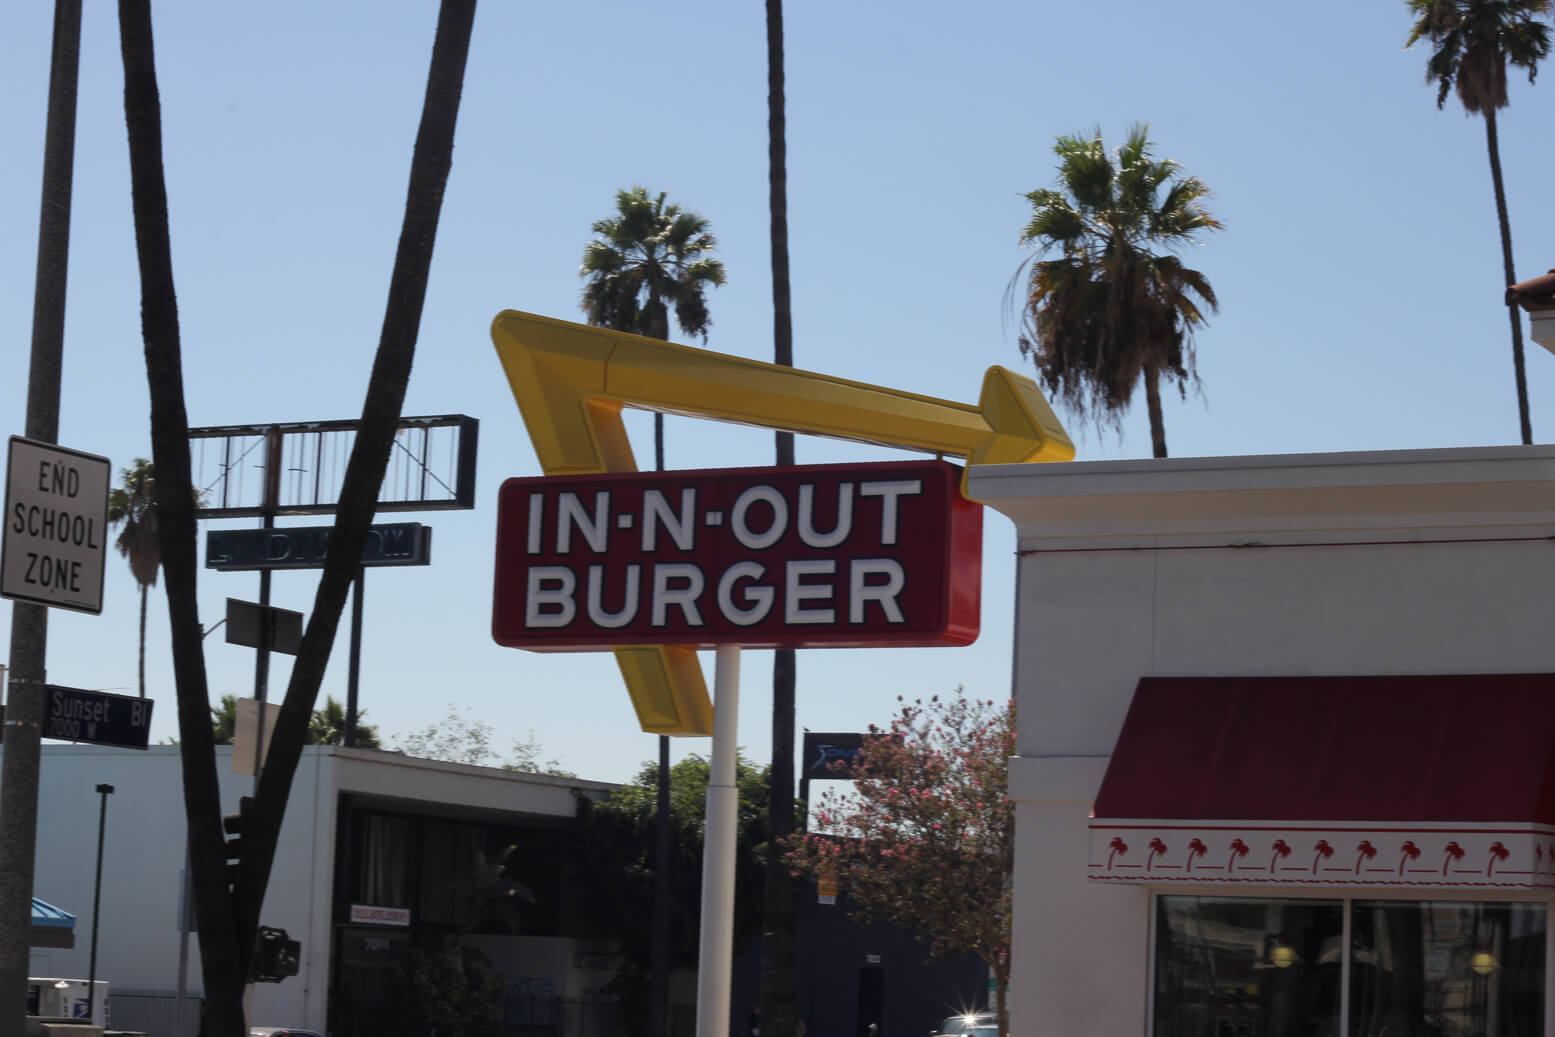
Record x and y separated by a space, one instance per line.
647 258
1106 299
134 504
1473 42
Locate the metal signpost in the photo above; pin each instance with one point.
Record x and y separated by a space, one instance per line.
657 566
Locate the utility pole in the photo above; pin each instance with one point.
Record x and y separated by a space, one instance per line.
29 621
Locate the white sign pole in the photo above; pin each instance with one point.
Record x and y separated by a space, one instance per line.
723 797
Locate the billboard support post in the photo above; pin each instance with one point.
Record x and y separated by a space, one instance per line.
723 798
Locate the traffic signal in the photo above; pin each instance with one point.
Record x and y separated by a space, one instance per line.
232 824
276 955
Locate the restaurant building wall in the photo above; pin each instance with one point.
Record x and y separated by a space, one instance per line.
1436 562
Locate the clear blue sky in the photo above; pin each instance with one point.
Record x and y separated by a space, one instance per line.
1359 274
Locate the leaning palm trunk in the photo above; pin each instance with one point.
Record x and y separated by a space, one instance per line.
221 963
1492 145
431 161
228 922
778 1013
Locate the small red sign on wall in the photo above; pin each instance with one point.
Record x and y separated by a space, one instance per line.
838 556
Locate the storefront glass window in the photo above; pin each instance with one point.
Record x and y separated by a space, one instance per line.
385 873
1253 967
1440 969
1241 967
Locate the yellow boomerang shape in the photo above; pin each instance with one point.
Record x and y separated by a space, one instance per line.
571 381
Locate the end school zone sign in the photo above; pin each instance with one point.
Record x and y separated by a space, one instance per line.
838 556
55 532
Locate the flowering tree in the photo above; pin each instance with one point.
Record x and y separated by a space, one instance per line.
926 838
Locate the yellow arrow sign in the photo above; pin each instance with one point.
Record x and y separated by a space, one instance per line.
571 381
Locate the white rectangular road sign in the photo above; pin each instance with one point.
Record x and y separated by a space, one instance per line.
56 526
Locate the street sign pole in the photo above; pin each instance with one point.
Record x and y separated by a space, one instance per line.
262 659
354 671
29 621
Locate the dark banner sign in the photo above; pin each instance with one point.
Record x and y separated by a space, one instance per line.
304 547
830 754
819 556
96 716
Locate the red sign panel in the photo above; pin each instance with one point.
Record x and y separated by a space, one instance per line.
822 556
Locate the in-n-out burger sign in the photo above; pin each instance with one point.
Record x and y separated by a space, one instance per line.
815 556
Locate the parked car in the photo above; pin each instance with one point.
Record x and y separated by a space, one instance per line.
971 1024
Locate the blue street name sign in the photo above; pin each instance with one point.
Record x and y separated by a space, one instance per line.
75 715
304 547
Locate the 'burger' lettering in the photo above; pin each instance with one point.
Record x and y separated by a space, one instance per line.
835 554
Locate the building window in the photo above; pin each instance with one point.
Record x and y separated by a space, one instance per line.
1257 967
384 878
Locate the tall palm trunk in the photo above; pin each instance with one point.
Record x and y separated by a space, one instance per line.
1153 405
1492 145
221 962
431 162
143 640
778 1016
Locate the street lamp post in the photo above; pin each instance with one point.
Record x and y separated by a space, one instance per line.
104 790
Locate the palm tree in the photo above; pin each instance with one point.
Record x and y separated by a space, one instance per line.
779 1010
1473 42
1114 304
328 727
134 503
646 258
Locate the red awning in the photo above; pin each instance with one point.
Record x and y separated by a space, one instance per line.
1413 780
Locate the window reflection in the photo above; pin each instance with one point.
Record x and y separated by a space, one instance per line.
1443 969
1253 967
1242 967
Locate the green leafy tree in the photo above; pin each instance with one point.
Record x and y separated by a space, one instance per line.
1106 301
458 738
224 720
1473 42
450 994
614 861
926 839
229 914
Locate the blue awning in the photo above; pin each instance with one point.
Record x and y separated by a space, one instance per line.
52 927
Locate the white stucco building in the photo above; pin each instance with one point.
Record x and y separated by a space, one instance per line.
375 856
1311 702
